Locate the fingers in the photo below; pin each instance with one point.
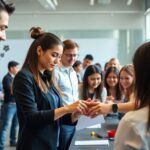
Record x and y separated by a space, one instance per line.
90 108
95 110
82 107
91 103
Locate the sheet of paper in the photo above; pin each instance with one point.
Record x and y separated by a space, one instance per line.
95 126
85 122
92 142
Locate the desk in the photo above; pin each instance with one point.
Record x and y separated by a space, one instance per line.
84 134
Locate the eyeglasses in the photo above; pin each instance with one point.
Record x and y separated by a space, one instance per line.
72 55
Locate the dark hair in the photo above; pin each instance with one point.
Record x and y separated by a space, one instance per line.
89 71
141 61
8 7
89 56
12 64
69 44
46 41
99 65
129 69
77 63
116 72
106 66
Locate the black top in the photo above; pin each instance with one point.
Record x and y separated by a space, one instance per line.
38 129
7 86
91 95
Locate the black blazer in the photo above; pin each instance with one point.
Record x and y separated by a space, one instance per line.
35 109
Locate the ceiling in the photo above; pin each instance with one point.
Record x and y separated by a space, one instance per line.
78 6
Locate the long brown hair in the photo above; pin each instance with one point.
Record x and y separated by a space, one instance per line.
116 72
47 41
129 69
141 61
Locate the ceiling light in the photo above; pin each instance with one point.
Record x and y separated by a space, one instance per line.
48 4
129 2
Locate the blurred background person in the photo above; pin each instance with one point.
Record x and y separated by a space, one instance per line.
66 79
93 86
87 61
127 84
9 112
77 67
111 82
114 62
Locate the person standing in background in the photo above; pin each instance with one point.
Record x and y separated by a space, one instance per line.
6 9
77 67
66 80
111 82
93 86
8 112
126 84
88 60
114 62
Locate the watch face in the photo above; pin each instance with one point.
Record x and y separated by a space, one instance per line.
114 108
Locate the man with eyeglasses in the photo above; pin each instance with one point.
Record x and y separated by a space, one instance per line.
67 81
6 9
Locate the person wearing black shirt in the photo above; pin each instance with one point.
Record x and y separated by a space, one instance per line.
8 112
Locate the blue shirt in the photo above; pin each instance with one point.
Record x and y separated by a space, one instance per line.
56 101
67 81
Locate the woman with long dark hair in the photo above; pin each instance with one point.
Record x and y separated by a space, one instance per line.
92 86
38 101
111 82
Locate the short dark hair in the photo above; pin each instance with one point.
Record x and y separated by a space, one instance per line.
8 7
77 63
12 64
89 56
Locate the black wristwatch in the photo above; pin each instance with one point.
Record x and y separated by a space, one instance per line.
114 108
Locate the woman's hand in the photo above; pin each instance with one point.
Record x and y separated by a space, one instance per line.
99 108
79 107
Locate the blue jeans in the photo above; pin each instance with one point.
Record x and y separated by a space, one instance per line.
8 118
66 135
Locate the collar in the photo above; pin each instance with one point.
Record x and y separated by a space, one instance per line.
65 69
12 75
46 76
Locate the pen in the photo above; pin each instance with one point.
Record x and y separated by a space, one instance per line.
96 135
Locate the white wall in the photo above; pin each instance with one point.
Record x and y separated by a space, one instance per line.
74 15
101 49
78 21
17 51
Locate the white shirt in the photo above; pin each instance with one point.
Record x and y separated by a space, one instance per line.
132 131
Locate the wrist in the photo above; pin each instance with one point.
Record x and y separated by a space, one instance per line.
66 109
